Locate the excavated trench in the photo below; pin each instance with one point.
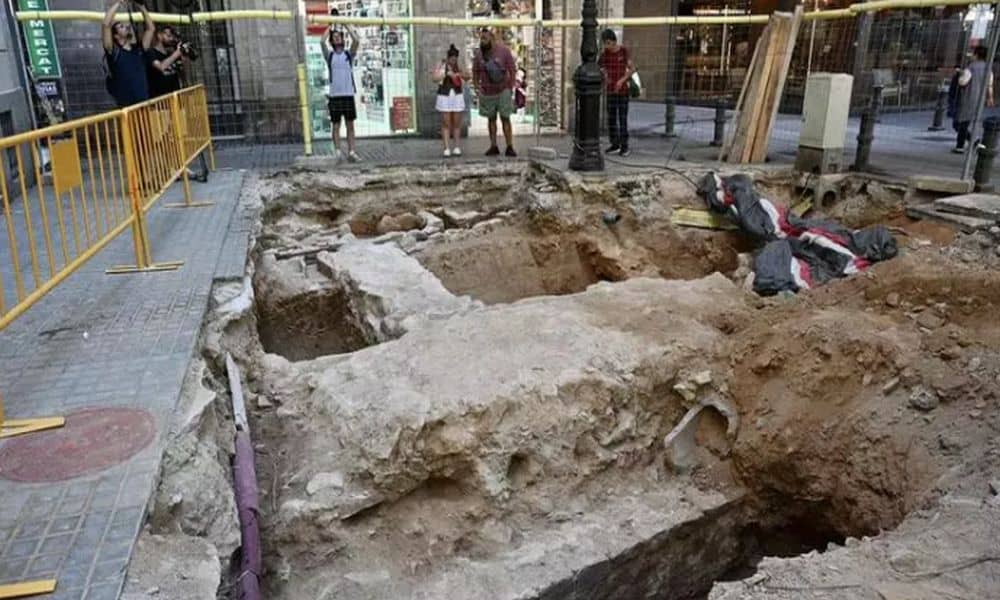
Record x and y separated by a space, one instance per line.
463 382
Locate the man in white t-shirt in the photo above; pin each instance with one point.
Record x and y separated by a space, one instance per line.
340 62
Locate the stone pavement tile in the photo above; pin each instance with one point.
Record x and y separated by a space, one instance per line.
108 591
44 567
12 569
141 332
66 593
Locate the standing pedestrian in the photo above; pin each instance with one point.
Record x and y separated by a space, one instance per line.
125 57
618 69
340 62
971 83
493 74
164 68
451 101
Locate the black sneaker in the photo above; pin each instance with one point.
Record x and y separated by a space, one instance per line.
625 152
493 151
510 152
612 149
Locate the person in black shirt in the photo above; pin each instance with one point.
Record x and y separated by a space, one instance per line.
126 64
164 63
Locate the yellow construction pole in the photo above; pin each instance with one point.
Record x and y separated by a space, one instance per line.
304 104
175 115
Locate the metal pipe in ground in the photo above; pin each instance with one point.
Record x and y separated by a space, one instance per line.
987 152
939 109
245 485
720 124
876 102
669 117
866 134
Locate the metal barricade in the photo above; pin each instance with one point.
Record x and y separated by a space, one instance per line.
72 188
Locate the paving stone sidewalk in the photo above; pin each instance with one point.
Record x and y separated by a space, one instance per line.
903 146
102 341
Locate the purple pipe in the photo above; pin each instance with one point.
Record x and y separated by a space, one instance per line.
245 485
245 482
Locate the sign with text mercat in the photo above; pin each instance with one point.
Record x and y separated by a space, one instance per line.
40 41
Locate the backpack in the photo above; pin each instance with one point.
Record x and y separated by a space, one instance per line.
494 72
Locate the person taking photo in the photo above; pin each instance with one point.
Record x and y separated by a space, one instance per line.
164 72
451 101
340 62
124 56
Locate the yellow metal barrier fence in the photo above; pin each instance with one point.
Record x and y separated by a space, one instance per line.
73 187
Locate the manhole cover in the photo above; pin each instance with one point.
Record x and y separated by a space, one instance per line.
92 440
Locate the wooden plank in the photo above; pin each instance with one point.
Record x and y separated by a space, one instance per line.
731 136
742 136
28 588
776 82
752 97
759 95
764 100
700 218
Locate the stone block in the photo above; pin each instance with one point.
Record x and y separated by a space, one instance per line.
981 206
543 153
947 185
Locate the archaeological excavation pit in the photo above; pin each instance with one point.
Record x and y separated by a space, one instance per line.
508 383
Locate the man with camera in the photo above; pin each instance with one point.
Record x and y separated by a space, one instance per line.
126 64
164 62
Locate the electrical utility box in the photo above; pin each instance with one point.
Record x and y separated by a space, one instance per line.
824 123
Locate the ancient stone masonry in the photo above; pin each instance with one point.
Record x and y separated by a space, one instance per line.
475 384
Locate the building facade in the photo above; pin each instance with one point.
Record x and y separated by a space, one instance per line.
15 104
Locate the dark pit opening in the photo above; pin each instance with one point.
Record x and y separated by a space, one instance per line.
302 315
802 531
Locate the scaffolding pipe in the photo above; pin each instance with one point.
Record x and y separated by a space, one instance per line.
287 15
307 146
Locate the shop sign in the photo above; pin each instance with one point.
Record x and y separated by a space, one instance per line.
41 42
402 113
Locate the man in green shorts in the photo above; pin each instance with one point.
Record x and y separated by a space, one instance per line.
493 73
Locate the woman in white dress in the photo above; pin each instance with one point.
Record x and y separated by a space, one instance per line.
451 101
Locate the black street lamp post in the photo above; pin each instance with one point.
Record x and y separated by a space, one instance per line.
588 82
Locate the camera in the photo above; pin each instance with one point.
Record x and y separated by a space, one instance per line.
188 51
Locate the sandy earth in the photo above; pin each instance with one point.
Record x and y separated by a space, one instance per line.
477 455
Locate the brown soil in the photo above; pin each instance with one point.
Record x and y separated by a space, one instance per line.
830 446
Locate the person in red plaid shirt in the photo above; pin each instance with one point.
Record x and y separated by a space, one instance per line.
617 67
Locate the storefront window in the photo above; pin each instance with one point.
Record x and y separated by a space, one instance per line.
383 70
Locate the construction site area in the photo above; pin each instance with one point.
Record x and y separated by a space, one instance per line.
740 370
470 383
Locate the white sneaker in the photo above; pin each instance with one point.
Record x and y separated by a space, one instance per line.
353 157
456 152
337 156
447 153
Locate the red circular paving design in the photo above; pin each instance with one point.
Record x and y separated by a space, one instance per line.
92 440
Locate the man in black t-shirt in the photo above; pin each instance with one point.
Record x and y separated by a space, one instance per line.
163 62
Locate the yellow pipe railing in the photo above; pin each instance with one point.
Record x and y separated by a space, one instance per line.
304 106
286 15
